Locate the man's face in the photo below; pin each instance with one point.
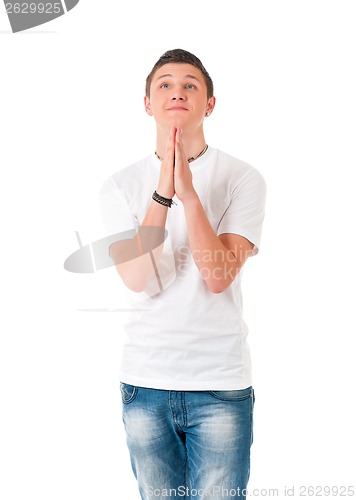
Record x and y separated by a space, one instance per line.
178 97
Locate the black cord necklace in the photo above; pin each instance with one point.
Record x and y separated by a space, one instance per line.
189 159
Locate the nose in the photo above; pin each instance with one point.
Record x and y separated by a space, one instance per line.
178 95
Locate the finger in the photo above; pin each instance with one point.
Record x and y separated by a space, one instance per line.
174 144
171 145
178 135
179 145
171 142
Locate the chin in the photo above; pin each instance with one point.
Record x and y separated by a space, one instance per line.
178 118
179 121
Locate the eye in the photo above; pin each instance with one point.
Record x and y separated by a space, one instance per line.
191 86
164 86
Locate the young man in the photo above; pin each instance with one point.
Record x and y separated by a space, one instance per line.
186 379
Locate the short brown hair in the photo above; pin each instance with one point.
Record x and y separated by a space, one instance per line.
180 56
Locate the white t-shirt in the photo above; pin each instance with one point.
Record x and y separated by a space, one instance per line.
181 336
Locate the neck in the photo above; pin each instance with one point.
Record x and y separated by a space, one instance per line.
193 144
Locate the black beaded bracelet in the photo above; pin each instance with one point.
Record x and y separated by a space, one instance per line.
162 200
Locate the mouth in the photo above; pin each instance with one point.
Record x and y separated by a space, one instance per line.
177 108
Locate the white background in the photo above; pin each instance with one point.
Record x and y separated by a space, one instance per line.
72 114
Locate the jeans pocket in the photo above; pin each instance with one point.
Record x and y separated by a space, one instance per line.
128 392
235 395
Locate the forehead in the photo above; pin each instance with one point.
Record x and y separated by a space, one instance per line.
179 70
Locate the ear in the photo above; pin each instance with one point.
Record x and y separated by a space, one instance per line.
210 105
148 106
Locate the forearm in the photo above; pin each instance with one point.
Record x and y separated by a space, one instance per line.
156 215
217 264
133 258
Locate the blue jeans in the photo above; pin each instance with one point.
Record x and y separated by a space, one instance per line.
189 444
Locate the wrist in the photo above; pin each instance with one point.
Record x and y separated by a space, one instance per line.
165 192
190 199
167 202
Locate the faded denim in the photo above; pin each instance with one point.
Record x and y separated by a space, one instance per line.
189 444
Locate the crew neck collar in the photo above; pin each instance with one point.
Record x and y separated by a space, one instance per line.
193 165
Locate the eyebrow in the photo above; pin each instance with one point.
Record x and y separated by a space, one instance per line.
186 76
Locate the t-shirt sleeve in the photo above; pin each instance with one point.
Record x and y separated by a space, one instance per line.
245 213
115 212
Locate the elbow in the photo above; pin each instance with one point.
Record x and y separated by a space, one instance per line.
133 283
135 287
217 283
220 281
217 287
